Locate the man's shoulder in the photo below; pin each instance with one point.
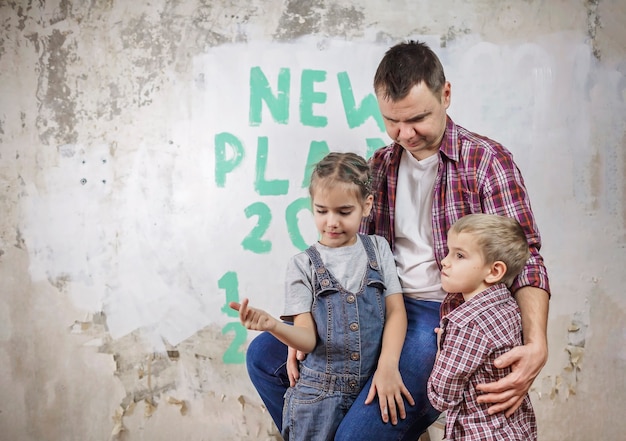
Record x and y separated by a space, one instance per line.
384 155
469 142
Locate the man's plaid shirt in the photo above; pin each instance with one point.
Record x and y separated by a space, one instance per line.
475 175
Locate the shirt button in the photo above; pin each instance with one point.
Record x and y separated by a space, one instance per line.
325 282
352 383
350 299
355 356
354 326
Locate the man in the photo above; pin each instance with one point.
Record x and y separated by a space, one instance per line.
434 173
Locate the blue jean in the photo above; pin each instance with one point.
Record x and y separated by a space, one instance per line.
315 407
266 362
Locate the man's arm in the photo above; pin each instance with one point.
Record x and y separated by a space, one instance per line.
504 193
525 361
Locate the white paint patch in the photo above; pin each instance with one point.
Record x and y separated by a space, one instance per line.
149 236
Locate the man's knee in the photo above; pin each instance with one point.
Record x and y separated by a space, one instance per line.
265 354
254 358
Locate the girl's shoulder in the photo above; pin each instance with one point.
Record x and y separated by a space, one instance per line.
300 262
380 242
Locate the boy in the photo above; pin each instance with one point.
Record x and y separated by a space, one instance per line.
485 253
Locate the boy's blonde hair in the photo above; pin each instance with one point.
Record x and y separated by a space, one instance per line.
499 238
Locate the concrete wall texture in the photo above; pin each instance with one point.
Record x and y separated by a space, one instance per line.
140 189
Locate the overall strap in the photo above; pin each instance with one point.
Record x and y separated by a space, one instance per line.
322 276
369 249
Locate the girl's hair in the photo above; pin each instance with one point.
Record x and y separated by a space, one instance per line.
499 238
345 168
406 65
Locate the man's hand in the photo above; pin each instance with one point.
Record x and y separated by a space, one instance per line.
438 331
507 394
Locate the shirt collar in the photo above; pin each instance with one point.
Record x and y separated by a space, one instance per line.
449 143
489 298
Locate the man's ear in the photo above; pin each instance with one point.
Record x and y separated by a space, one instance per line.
446 94
496 272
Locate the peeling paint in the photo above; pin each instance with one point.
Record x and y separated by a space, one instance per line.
299 18
621 165
565 383
318 17
154 378
593 22
103 79
343 21
182 404
577 330
452 34
60 282
57 118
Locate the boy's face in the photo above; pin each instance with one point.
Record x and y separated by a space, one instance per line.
464 269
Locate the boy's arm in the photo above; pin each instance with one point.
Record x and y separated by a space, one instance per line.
461 354
301 335
387 381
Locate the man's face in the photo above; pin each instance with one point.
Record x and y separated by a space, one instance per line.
417 122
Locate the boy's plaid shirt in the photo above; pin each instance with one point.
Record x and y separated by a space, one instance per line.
474 335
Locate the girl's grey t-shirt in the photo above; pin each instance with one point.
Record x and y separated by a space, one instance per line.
348 264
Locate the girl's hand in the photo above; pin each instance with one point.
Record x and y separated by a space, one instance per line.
388 384
253 318
293 368
293 365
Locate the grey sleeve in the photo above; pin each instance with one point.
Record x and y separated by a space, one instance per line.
388 265
298 287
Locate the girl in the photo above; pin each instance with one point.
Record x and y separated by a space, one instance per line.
346 303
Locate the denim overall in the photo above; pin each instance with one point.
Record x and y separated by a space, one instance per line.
349 331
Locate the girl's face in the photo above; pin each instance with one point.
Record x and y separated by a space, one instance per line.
337 211
464 269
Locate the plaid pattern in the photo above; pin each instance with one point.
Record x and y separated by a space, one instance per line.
475 334
475 175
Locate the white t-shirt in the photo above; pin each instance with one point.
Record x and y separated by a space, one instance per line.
414 255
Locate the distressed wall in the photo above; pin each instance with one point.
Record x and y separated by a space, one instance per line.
152 164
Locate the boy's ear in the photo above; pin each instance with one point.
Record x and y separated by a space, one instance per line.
496 273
